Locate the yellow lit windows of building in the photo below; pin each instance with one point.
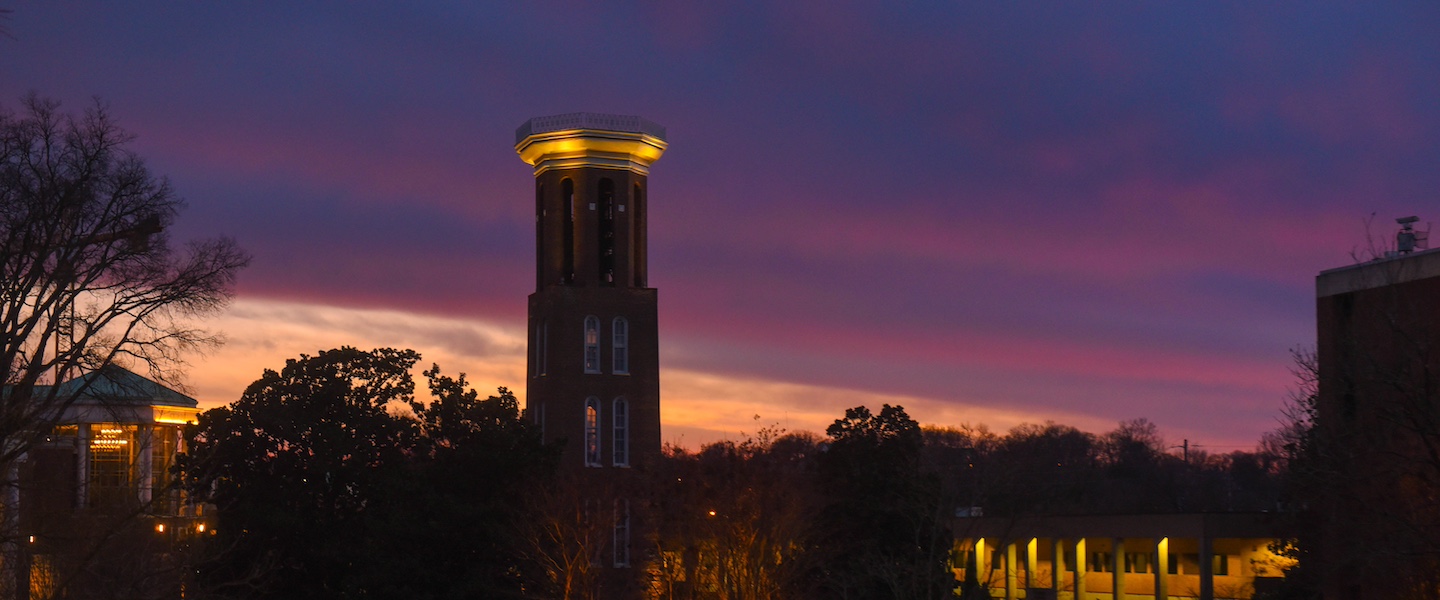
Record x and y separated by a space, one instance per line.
592 344
1139 562
165 442
113 451
592 432
65 432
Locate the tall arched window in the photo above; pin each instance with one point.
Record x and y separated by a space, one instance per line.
592 432
622 533
620 346
592 344
621 433
537 348
567 272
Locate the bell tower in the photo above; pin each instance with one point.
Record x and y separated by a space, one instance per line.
594 373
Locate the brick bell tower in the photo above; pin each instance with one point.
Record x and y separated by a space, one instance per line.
594 372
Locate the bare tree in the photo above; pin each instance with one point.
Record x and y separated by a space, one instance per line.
87 275
565 535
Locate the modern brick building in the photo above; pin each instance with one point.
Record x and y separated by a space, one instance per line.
1376 504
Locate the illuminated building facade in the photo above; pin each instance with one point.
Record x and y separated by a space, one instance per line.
1374 510
594 360
81 489
1142 557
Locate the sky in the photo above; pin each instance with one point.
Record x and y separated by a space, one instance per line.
1082 212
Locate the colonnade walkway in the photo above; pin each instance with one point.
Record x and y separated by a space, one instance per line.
1207 556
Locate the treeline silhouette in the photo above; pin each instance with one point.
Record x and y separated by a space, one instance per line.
331 479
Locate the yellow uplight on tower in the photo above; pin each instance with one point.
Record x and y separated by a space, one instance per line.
595 140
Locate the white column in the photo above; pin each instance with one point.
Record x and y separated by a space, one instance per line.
1117 569
1011 575
145 442
982 566
82 466
1162 569
1032 558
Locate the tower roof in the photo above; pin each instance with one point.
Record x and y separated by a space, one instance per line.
113 383
586 120
593 140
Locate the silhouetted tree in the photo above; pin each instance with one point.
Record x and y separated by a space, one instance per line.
332 481
87 275
734 517
883 533
1042 469
87 278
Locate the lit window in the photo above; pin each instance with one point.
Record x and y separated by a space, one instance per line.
620 346
165 442
113 461
622 533
592 432
592 344
621 441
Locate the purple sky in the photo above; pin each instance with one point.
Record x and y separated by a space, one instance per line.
1084 212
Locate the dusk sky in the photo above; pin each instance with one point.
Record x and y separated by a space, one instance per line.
988 212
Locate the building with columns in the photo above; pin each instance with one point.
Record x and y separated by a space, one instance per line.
1206 556
95 499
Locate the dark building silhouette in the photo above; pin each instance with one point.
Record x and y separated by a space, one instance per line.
1376 503
594 372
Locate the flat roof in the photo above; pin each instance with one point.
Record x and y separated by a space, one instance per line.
587 120
1195 525
1402 268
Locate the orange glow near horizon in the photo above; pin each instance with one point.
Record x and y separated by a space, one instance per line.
698 407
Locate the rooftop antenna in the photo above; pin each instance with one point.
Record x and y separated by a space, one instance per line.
1408 239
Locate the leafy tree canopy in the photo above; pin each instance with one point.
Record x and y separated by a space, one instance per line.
333 481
